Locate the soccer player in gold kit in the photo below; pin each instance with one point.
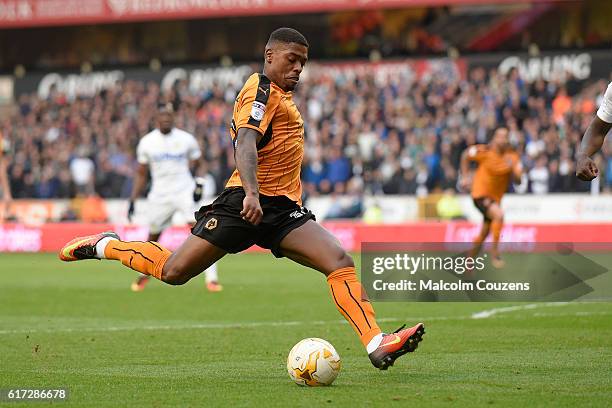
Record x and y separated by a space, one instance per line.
262 204
498 165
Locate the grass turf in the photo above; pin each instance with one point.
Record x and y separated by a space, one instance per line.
78 326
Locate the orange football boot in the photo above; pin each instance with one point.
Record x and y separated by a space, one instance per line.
396 344
83 247
214 286
139 284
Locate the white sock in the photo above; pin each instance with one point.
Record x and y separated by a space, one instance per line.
374 343
211 274
101 246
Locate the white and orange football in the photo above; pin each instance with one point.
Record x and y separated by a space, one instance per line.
313 362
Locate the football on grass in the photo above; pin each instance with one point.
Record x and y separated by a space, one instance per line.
313 362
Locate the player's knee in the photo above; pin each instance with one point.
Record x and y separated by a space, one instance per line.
497 214
175 277
344 260
175 274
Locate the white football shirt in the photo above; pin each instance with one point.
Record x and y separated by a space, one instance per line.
605 109
168 159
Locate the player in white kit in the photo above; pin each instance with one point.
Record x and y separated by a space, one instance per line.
593 139
169 153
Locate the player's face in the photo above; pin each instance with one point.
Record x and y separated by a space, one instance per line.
165 121
286 64
502 141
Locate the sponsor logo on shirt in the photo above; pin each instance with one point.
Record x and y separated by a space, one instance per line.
169 157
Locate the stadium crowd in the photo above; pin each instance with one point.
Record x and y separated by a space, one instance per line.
394 137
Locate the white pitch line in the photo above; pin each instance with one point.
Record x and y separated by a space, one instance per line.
244 325
160 327
575 314
485 314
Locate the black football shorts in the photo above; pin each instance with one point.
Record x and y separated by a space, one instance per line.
221 224
483 204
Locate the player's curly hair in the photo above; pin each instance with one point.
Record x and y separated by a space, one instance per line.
288 35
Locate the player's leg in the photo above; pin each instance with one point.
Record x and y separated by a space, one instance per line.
482 204
219 229
159 217
141 281
190 259
175 268
496 214
185 209
312 245
480 239
212 279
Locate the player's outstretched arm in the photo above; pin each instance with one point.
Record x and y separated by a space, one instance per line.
517 172
465 178
246 163
193 166
140 180
591 143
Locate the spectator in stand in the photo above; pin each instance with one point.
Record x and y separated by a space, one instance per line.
349 205
338 167
539 176
561 105
49 184
82 169
555 180
314 172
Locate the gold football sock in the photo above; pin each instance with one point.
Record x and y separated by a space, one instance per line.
145 257
351 301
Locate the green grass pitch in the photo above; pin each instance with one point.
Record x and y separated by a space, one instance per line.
78 326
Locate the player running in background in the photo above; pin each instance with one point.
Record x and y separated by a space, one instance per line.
593 139
261 205
497 164
169 153
5 187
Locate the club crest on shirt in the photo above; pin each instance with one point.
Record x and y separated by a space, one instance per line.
211 224
258 110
